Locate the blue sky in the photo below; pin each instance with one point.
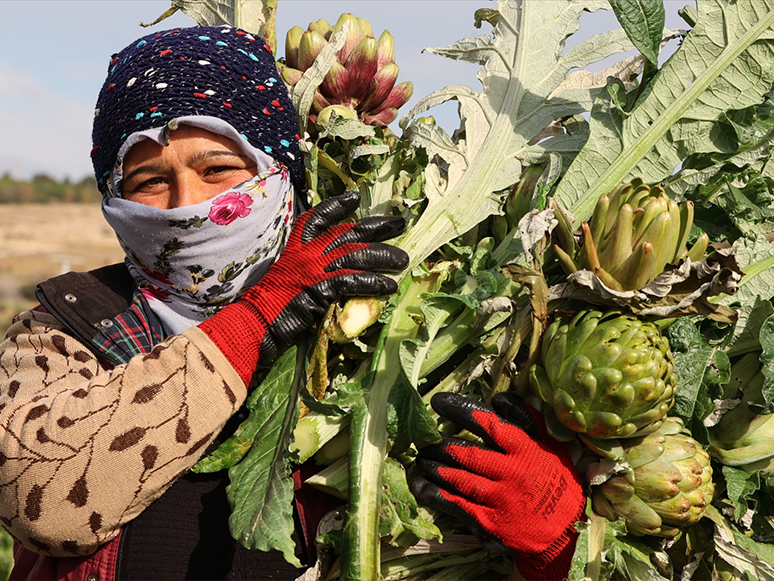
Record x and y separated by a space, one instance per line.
54 55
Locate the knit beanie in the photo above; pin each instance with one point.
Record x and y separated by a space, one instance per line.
217 71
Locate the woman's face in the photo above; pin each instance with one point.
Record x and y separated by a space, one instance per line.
196 165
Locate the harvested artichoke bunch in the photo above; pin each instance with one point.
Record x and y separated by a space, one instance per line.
668 485
605 375
634 232
363 77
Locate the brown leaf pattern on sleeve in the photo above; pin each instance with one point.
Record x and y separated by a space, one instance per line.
84 449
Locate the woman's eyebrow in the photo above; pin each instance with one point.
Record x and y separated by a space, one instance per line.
200 156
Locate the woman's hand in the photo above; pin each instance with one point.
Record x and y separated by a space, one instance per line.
323 261
519 493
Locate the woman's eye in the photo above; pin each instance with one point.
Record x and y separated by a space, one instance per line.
151 184
217 169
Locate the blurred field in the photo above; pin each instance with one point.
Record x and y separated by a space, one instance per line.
38 241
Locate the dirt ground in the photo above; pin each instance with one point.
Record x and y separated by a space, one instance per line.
38 241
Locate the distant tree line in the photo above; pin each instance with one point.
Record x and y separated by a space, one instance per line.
42 189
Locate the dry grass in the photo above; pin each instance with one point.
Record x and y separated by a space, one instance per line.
38 241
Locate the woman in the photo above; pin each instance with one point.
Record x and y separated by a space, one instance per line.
124 377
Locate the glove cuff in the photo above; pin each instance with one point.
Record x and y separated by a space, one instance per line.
553 563
241 333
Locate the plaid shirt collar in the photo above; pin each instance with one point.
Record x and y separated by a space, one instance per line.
136 330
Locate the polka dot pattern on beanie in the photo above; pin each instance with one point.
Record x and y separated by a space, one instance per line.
222 72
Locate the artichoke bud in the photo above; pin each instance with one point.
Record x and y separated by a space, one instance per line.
364 75
519 200
324 117
587 253
311 45
686 221
499 227
699 248
668 488
653 208
676 231
337 84
322 26
361 66
633 233
292 42
659 234
605 375
563 230
638 269
354 34
565 260
385 50
599 217
618 247
608 280
743 437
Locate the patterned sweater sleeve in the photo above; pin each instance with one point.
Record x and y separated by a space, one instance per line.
84 449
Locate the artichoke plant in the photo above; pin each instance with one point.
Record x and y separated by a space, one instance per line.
668 487
605 375
634 232
363 76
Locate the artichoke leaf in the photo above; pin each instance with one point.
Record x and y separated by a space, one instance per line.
723 50
521 97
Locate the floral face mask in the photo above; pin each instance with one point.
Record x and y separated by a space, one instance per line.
191 261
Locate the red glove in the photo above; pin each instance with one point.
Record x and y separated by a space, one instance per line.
519 494
323 261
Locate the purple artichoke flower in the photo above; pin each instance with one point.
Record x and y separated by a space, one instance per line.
363 77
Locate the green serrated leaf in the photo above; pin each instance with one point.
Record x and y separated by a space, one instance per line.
409 421
741 486
694 358
643 21
261 487
400 520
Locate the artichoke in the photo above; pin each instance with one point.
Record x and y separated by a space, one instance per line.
668 487
605 375
744 437
634 232
363 76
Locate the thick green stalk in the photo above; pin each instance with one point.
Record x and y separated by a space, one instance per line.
315 430
361 550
